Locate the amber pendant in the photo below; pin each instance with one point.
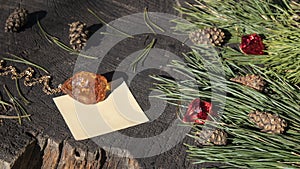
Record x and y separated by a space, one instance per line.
86 87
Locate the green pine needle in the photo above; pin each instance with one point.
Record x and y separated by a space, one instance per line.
26 102
3 103
24 61
51 39
149 23
248 147
273 19
21 112
104 23
13 117
142 57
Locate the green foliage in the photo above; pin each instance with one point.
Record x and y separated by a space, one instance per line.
207 77
275 20
248 147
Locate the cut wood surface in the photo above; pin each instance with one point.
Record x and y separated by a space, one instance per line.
46 142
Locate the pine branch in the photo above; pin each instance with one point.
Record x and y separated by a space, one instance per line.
276 21
249 148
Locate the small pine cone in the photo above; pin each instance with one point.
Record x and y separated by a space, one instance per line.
253 81
268 122
78 35
16 20
213 36
212 137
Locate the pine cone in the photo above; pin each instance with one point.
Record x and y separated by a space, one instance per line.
16 20
212 137
253 81
268 122
213 36
78 35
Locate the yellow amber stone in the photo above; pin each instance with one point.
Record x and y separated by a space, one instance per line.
86 87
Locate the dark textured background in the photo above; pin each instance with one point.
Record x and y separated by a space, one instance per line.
25 146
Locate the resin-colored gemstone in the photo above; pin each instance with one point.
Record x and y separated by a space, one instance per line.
86 87
198 111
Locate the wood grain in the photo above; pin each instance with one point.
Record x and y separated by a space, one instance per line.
46 141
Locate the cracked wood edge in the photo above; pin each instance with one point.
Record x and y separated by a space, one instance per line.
46 153
42 151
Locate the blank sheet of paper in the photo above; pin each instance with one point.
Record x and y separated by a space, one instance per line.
119 111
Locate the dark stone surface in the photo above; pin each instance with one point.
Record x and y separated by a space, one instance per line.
47 130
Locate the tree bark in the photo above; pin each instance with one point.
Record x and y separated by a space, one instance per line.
46 142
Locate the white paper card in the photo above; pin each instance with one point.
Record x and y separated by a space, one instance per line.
119 111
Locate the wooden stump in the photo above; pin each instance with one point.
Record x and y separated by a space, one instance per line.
46 141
